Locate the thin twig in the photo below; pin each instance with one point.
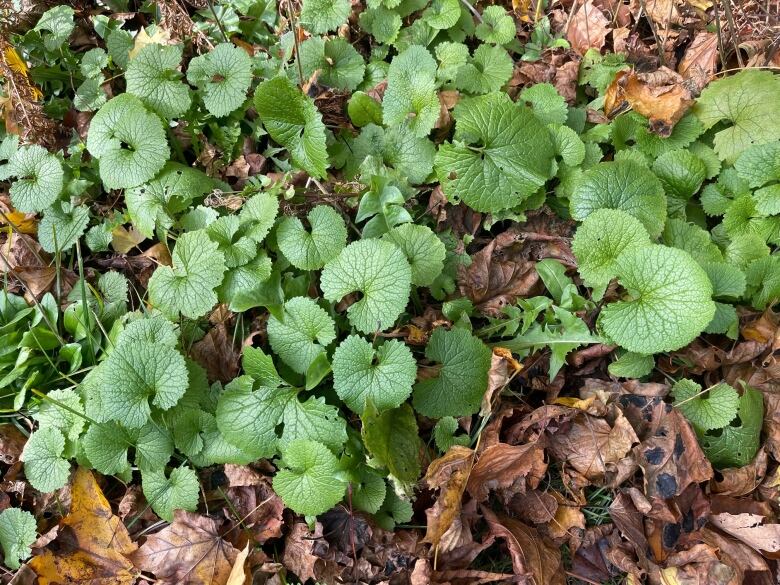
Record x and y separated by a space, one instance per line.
219 22
732 29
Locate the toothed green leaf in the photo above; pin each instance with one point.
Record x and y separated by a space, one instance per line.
39 178
18 531
179 491
302 334
153 75
44 466
223 75
411 91
321 16
710 410
311 250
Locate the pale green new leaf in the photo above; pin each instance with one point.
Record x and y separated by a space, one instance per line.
302 334
423 250
691 238
188 286
321 16
548 105
487 71
709 410
257 215
760 164
308 479
44 466
496 26
381 23
128 141
311 250
669 300
442 14
631 365
293 121
568 145
600 240
61 226
93 62
501 154
380 272
90 95
383 375
57 25
62 410
223 76
746 103
462 379
624 185
364 109
411 91
153 76
179 491
237 249
39 178
18 530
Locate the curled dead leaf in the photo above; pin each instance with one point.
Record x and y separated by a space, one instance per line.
661 96
508 468
751 529
588 28
449 474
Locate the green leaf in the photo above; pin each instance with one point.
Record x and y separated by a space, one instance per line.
383 375
136 372
442 14
188 286
62 410
681 173
223 75
623 185
569 333
308 480
258 214
763 281
548 105
669 300
691 238
727 280
568 145
599 241
745 103
155 203
244 281
381 23
411 91
312 250
380 272
496 26
44 466
293 121
759 164
153 328
423 250
631 365
39 178
451 57
90 95
735 445
368 490
128 141
743 218
236 248
444 434
725 321
339 63
93 62
363 109
57 24
321 16
249 418
118 44
153 75
709 410
261 367
392 438
18 530
462 378
501 154
61 226
486 71
302 334
106 445
179 491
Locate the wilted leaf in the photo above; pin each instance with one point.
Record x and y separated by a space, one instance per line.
509 468
449 474
92 545
660 96
190 551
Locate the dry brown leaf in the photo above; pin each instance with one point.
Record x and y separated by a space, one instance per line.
217 354
700 59
12 442
750 529
92 546
531 555
123 240
510 468
740 481
662 12
190 551
237 573
736 554
588 28
298 550
569 521
709 573
534 506
670 455
661 96
593 447
503 367
449 474
255 503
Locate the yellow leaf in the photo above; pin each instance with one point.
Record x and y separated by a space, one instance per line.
237 575
14 61
92 544
21 222
160 37
124 240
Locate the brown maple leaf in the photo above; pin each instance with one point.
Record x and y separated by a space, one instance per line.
190 551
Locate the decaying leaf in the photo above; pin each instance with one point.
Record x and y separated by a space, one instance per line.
661 96
508 468
449 474
750 529
588 28
92 545
190 551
